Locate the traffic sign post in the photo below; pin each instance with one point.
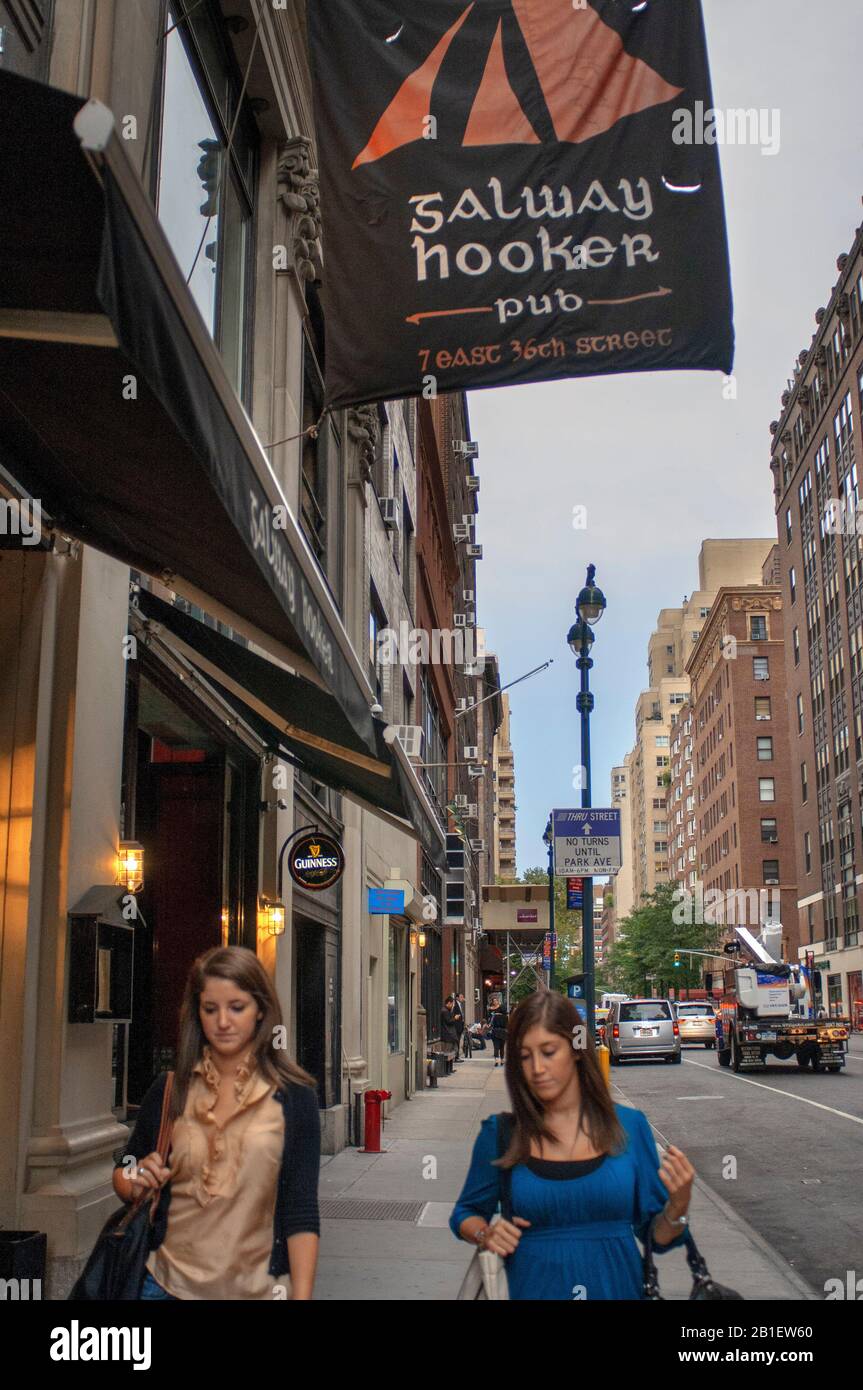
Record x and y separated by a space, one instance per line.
586 841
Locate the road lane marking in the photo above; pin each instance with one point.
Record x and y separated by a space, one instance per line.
699 1097
774 1090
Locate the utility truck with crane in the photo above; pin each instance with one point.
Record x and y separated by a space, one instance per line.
768 1009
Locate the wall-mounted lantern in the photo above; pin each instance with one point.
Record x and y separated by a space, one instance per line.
422 939
271 916
130 865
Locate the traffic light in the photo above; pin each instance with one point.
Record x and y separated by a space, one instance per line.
677 960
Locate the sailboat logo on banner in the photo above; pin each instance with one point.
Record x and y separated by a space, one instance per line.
587 78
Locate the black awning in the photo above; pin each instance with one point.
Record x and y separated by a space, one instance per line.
289 713
115 410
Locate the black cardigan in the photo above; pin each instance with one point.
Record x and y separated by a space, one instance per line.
297 1198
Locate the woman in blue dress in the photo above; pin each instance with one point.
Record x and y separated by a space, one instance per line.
585 1180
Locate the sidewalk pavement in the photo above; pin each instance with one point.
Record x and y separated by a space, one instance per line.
413 1185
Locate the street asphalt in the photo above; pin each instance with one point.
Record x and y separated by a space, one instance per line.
781 1146
766 1232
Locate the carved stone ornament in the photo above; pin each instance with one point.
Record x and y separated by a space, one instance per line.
299 194
364 428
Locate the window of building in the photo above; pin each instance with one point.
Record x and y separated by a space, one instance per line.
662 741
766 789
804 782
807 851
764 749
758 628
377 648
434 775
408 543
810 921
762 706
800 719
760 668
205 197
770 870
788 527
769 831
795 645
792 584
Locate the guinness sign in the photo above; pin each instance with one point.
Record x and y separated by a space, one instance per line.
316 862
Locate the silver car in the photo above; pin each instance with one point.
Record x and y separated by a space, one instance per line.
643 1028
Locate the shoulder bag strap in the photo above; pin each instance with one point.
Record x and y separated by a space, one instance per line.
166 1127
649 1272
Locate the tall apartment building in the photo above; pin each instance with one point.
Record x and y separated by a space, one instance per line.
504 783
621 884
657 710
680 811
742 761
815 449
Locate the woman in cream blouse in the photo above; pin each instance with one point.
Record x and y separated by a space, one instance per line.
237 1210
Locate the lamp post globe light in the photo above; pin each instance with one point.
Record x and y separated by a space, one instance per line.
588 611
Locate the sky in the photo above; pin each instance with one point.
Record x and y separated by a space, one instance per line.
662 461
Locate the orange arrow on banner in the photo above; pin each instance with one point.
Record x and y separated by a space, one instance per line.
652 294
447 313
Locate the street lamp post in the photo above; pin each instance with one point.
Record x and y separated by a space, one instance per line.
588 611
549 840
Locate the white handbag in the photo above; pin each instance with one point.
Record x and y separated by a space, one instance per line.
486 1273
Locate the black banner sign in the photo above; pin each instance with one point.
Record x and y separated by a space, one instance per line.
511 193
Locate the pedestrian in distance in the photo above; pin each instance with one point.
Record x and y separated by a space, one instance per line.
238 1193
448 1031
458 1018
584 1176
498 1021
465 1034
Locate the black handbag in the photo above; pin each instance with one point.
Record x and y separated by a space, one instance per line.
117 1265
704 1288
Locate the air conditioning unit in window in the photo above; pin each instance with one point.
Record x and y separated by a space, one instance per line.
469 596
772 881
466 447
471 810
472 482
475 770
390 511
410 736
460 531
477 846
460 619
471 753
474 552
460 800
772 840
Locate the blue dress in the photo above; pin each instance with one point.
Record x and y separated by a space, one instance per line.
581 1243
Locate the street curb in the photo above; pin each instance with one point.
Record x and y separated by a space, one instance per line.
734 1219
772 1256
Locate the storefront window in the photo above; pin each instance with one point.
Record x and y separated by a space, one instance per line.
396 990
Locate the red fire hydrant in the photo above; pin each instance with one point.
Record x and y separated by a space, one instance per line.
373 1101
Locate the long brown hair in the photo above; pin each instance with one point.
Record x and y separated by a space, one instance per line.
242 967
557 1014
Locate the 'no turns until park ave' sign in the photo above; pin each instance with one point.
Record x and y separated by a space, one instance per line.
586 841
